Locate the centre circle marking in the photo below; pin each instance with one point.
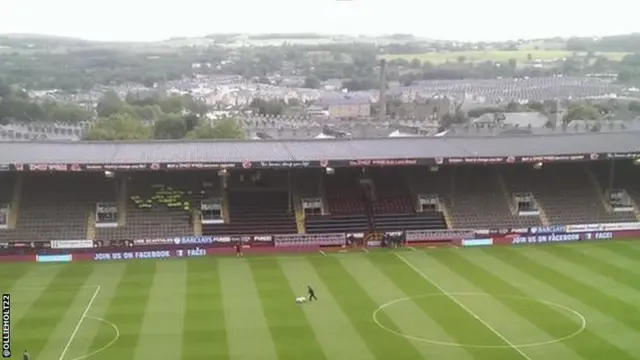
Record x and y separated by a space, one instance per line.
577 314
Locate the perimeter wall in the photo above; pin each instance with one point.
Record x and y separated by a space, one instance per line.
198 246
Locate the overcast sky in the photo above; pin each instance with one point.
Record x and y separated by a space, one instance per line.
468 20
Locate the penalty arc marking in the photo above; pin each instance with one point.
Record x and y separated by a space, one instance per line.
75 330
108 345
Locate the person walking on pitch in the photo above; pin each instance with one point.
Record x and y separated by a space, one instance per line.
312 294
239 249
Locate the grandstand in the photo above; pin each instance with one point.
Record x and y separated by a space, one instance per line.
110 192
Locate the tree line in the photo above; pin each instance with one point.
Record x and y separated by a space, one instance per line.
136 116
158 117
15 105
83 64
616 43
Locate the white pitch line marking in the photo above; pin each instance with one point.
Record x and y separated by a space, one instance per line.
323 253
365 250
411 248
464 307
84 315
113 341
582 327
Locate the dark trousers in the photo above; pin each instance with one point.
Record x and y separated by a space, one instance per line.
312 296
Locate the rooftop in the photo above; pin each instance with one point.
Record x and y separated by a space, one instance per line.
51 152
522 119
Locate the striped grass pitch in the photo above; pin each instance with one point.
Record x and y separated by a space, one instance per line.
567 301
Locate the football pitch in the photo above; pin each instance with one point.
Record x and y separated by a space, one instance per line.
547 302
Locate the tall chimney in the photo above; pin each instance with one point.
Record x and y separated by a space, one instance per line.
382 115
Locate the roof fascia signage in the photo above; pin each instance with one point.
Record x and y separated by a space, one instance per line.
160 166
